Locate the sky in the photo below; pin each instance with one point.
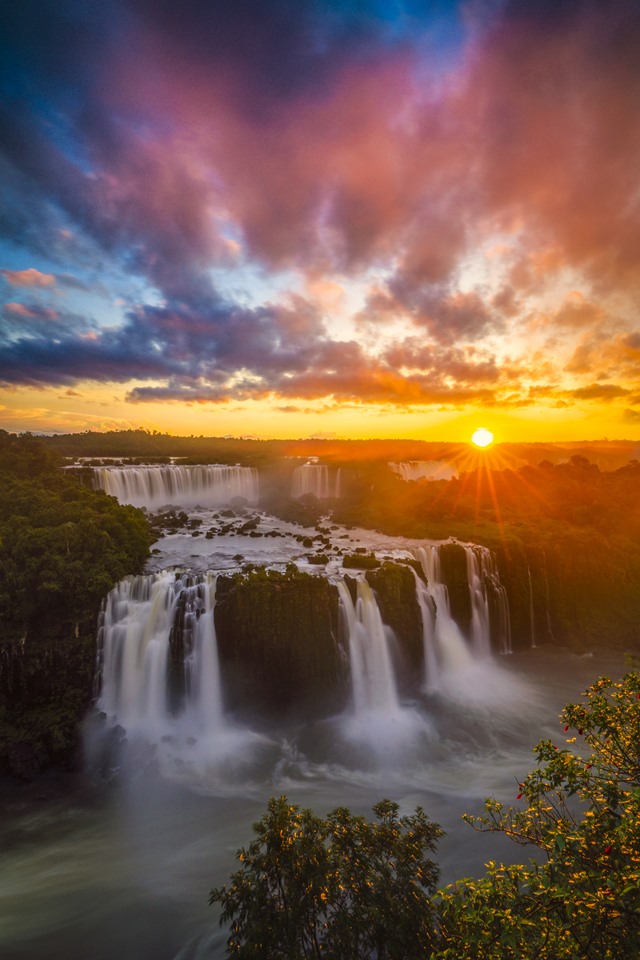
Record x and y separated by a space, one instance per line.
294 218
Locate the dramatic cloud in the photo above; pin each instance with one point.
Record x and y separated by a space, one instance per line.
420 205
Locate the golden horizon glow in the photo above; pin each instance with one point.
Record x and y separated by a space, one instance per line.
104 407
482 437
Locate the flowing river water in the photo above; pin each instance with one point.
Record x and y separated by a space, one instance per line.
122 872
119 868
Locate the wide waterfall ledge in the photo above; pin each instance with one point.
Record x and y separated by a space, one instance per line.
154 486
243 620
238 627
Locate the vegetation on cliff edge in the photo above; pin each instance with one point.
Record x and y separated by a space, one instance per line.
62 547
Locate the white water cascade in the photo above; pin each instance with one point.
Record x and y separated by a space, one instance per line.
135 652
493 618
446 650
461 668
372 675
480 625
423 470
207 485
315 478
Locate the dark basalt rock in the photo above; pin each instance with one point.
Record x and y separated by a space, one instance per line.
453 565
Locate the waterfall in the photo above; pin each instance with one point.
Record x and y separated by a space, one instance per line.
315 478
531 617
488 598
480 627
446 650
428 611
204 690
159 677
500 621
423 470
338 486
372 674
207 485
456 667
147 624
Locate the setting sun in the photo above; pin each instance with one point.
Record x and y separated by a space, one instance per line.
482 437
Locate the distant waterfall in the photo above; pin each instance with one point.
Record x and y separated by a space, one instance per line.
207 485
315 478
423 470
372 675
532 628
156 629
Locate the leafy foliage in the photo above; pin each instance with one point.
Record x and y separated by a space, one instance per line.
343 887
62 547
581 899
339 887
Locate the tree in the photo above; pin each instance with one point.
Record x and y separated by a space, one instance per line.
581 898
347 889
341 888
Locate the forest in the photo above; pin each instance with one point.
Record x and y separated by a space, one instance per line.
62 547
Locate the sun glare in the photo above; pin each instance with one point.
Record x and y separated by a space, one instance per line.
482 437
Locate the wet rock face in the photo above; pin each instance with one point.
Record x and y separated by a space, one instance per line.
278 642
453 565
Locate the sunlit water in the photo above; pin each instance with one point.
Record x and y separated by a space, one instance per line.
122 871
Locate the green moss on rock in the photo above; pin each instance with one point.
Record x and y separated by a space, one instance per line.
277 639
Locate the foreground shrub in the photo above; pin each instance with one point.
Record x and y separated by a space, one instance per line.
336 887
580 898
348 889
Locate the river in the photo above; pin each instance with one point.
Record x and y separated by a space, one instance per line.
122 871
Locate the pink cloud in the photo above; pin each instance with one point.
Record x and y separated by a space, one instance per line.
30 312
28 278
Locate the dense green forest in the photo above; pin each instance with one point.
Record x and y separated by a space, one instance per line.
566 537
151 444
62 547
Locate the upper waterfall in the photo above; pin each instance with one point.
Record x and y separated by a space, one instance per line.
207 485
315 478
424 470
